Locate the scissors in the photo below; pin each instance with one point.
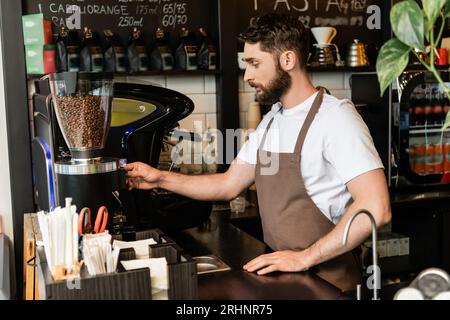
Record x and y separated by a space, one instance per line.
85 224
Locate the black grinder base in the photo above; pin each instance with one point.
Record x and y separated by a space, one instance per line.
91 184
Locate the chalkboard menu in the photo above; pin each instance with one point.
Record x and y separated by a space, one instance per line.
121 16
353 19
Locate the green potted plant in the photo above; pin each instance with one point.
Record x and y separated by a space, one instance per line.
413 27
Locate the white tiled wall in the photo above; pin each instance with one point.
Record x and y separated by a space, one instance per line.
329 80
204 103
160 81
337 82
210 84
187 84
201 89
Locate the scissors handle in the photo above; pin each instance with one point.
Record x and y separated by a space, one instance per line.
101 220
84 221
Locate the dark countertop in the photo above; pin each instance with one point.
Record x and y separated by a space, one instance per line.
221 237
415 195
235 247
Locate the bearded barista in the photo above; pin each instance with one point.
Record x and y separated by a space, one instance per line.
312 159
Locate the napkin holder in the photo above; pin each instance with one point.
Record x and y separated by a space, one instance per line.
130 285
182 268
124 285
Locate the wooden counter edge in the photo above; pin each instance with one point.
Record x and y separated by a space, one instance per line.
31 234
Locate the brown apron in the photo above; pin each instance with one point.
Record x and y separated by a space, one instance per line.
290 219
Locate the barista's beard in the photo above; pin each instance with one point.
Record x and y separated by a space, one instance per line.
276 88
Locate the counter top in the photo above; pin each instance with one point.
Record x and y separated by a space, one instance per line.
235 247
415 195
224 237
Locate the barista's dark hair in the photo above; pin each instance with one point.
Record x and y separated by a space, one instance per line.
277 33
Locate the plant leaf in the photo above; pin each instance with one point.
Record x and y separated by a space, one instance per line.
426 26
392 60
407 22
432 9
447 9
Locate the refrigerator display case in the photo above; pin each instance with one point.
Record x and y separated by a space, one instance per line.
420 143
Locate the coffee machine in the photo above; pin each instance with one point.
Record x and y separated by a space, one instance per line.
80 155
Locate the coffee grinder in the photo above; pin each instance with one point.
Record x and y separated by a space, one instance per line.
142 118
83 103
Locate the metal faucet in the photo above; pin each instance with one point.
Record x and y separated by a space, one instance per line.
376 274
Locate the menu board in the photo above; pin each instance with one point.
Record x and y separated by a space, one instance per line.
121 16
353 19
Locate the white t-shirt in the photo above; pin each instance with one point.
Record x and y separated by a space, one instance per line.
337 148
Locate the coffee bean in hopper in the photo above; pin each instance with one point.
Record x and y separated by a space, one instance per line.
83 119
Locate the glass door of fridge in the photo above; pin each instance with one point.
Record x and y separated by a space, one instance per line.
424 144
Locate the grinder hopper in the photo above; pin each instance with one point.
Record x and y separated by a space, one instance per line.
82 104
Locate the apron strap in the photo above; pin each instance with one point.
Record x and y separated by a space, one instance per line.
261 145
309 120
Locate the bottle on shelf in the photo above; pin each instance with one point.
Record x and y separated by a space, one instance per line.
137 52
68 50
428 106
438 108
160 56
419 110
115 57
207 52
412 107
446 107
92 53
438 158
419 158
429 159
186 52
446 151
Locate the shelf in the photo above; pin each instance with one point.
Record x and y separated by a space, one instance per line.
413 193
420 67
429 129
153 73
431 126
342 69
170 73
335 69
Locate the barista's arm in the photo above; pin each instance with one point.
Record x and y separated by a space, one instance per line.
224 186
369 191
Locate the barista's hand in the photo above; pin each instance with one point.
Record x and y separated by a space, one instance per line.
286 261
142 176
